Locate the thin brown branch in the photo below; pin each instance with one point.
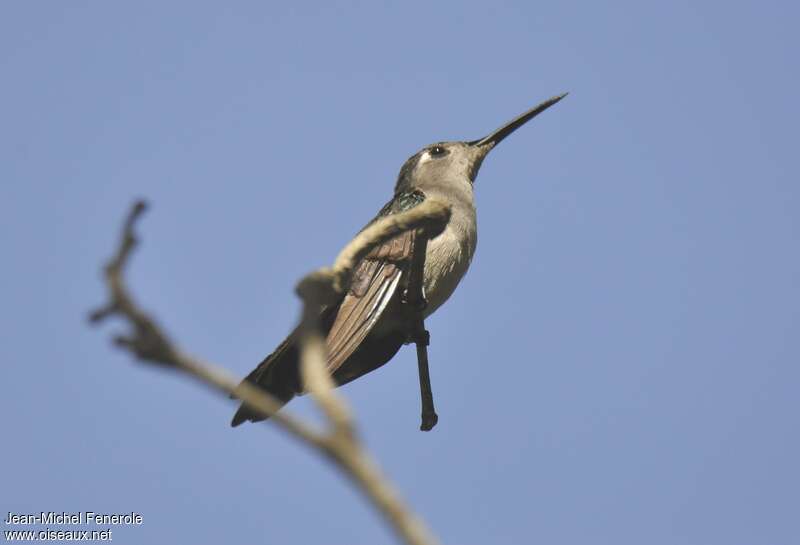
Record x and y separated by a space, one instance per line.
150 344
343 446
324 286
318 381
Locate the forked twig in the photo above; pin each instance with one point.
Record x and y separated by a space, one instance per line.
339 443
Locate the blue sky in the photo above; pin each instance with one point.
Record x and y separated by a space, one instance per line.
620 365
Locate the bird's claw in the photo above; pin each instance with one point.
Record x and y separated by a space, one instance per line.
429 420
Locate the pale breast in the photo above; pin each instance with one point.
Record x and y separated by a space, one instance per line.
448 258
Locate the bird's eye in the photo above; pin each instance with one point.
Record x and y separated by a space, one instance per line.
437 151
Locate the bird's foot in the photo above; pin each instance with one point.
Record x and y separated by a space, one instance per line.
422 337
429 420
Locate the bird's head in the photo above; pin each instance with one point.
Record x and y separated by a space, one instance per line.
458 162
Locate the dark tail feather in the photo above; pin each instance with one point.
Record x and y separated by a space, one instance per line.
277 375
245 413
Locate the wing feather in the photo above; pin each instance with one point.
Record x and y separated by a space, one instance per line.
351 315
374 285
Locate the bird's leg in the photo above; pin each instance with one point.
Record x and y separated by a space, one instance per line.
422 339
414 298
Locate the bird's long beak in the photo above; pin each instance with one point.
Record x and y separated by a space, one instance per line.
486 143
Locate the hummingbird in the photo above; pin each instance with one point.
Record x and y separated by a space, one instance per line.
370 323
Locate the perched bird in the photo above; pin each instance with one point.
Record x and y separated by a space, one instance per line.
369 324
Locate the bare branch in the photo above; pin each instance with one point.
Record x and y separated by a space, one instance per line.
323 287
319 383
150 344
146 341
